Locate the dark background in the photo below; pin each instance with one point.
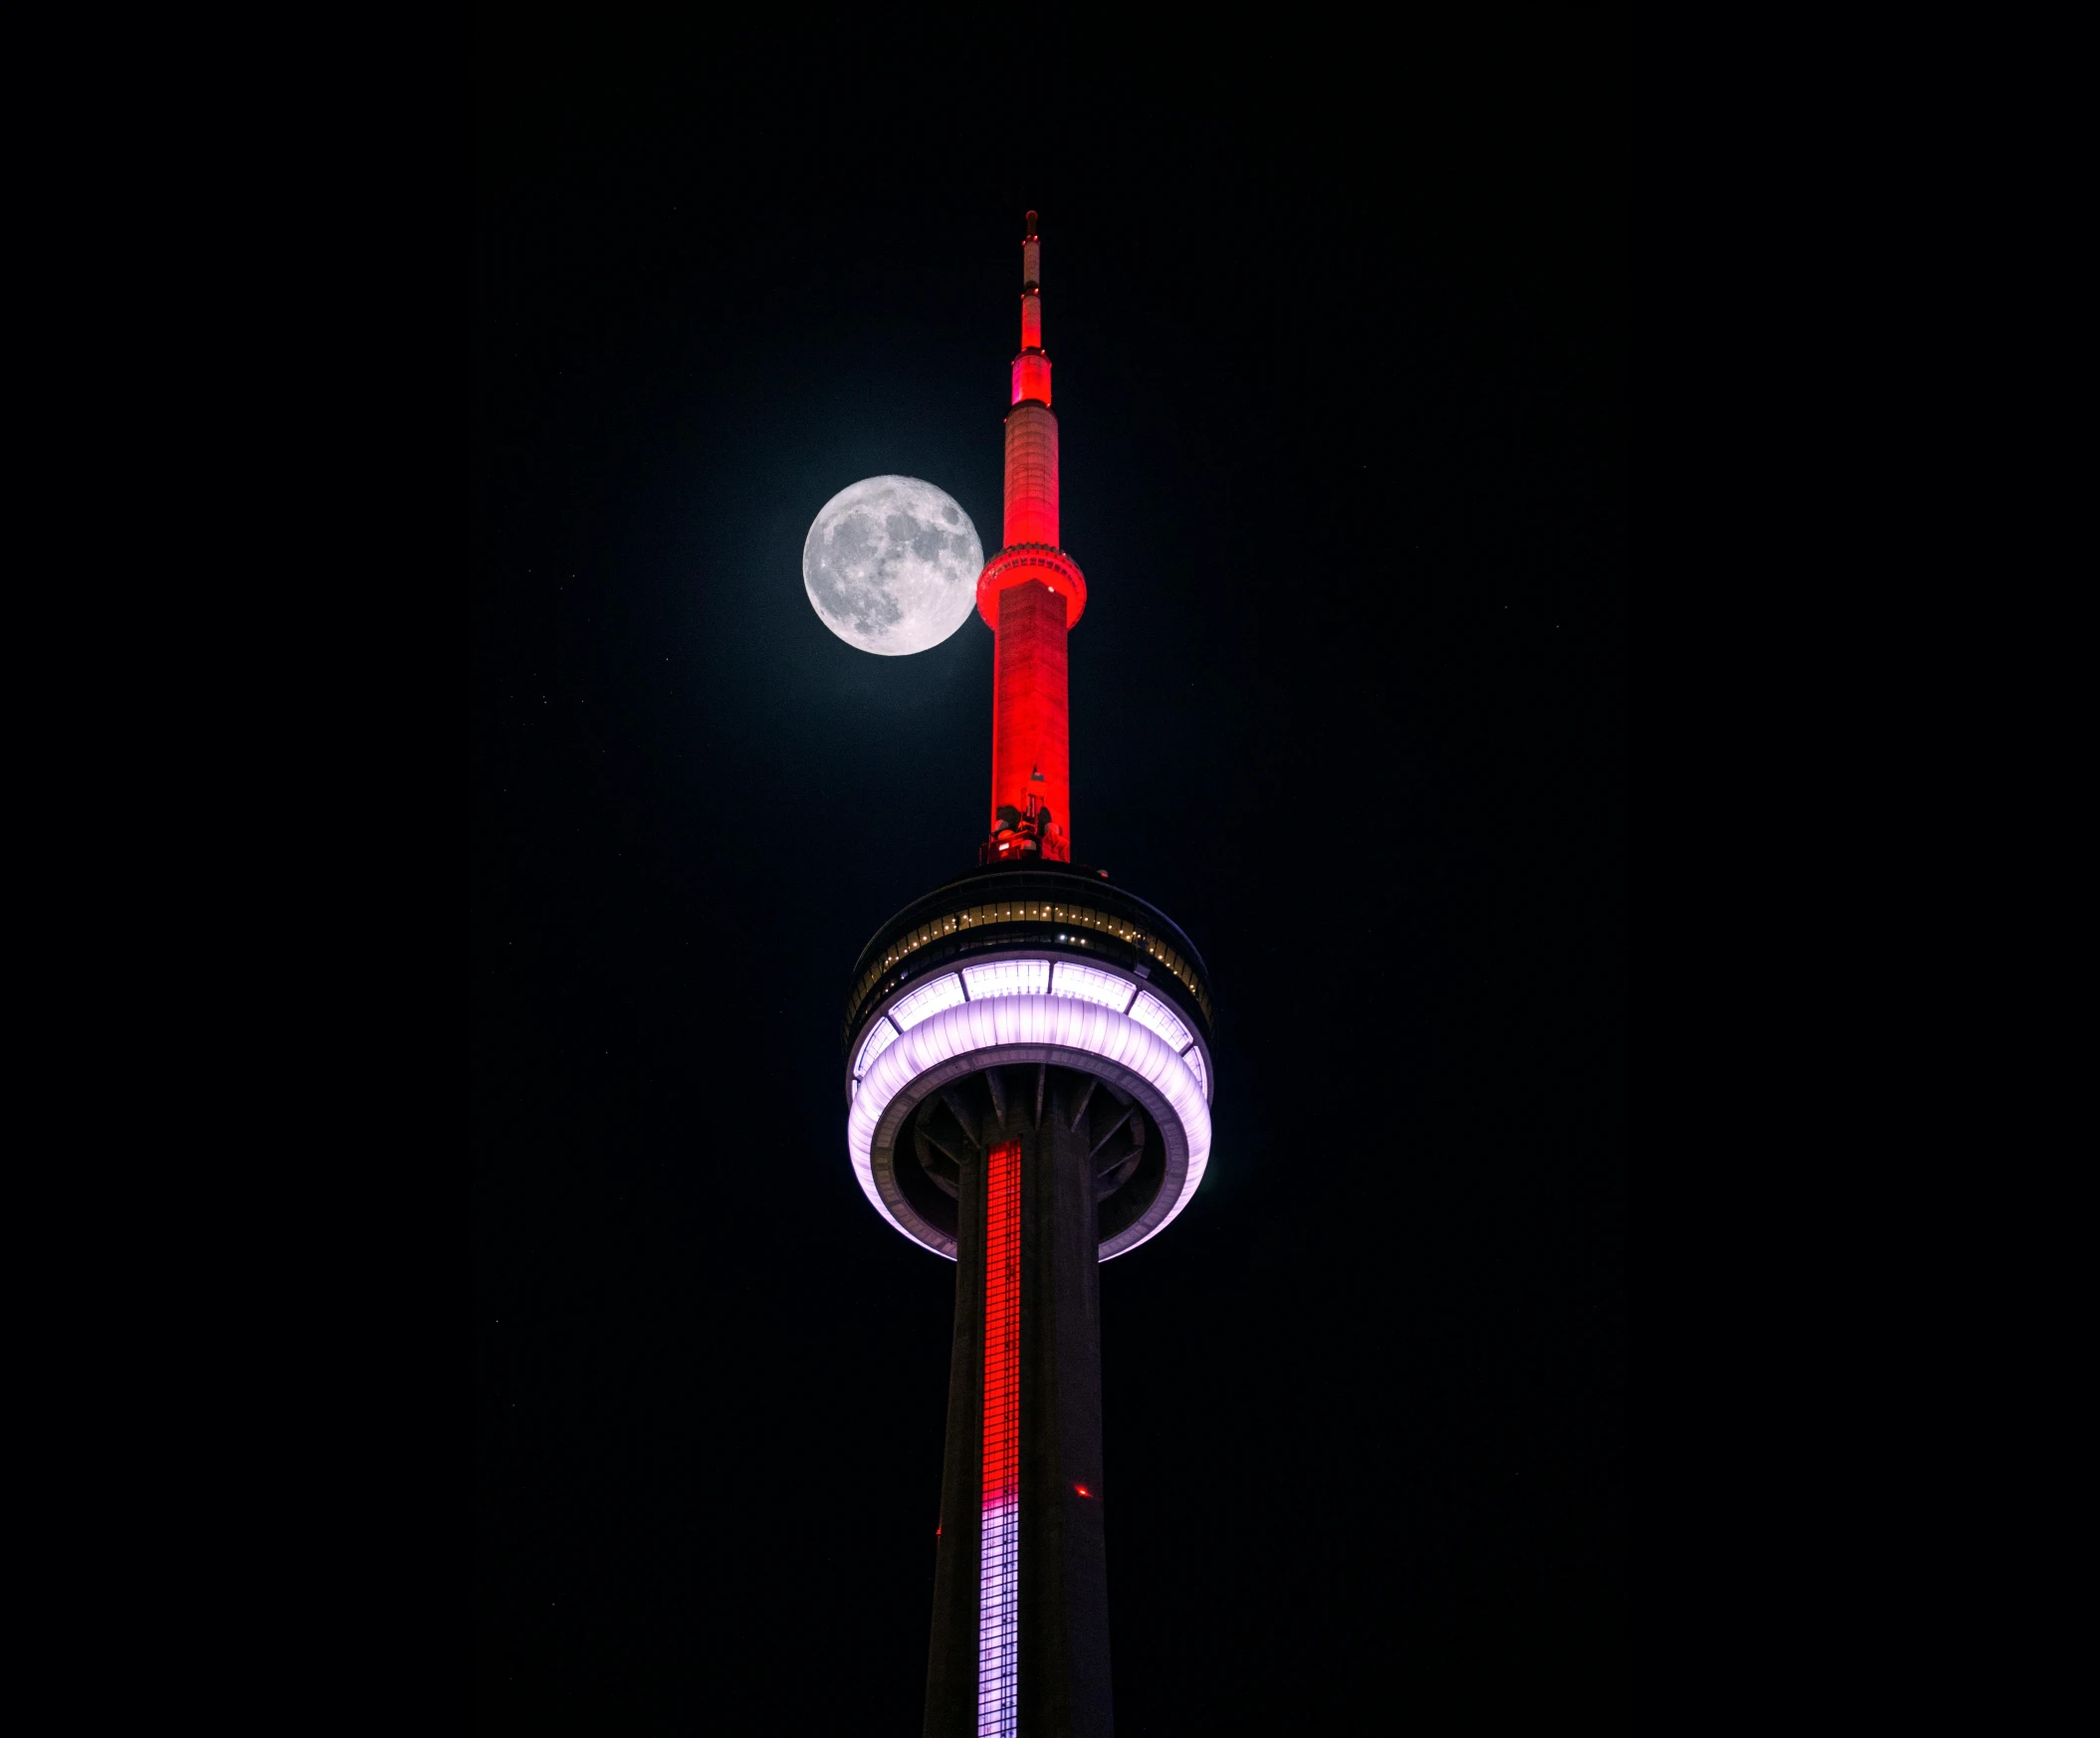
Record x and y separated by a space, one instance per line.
1340 355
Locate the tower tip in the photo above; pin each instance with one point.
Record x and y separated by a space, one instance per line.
1030 236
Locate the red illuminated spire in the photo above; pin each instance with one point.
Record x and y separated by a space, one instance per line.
1030 594
1031 368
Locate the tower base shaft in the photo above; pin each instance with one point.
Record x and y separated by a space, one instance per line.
1063 1687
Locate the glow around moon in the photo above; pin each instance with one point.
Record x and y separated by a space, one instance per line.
890 566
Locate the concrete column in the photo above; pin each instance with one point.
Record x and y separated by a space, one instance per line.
1065 1686
951 1656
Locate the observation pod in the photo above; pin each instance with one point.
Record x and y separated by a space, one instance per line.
965 1001
1028 1082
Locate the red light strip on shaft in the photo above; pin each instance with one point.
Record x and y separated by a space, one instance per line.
998 1591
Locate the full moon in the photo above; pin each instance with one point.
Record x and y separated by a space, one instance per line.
890 566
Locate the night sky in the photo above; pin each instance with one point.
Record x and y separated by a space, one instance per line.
1343 407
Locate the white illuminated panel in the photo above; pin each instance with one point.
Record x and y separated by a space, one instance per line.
1102 989
879 1039
1011 1020
1155 1017
1193 1056
1007 978
927 1000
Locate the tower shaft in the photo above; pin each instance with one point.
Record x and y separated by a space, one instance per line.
1020 1635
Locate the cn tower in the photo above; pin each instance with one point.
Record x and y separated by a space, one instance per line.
1029 1076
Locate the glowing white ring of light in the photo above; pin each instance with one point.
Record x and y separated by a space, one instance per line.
1059 1020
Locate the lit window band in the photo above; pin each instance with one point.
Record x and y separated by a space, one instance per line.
1154 1016
1021 911
1103 989
926 1000
999 1571
1031 978
1006 978
880 1038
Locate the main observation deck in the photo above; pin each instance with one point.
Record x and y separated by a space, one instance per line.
982 990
